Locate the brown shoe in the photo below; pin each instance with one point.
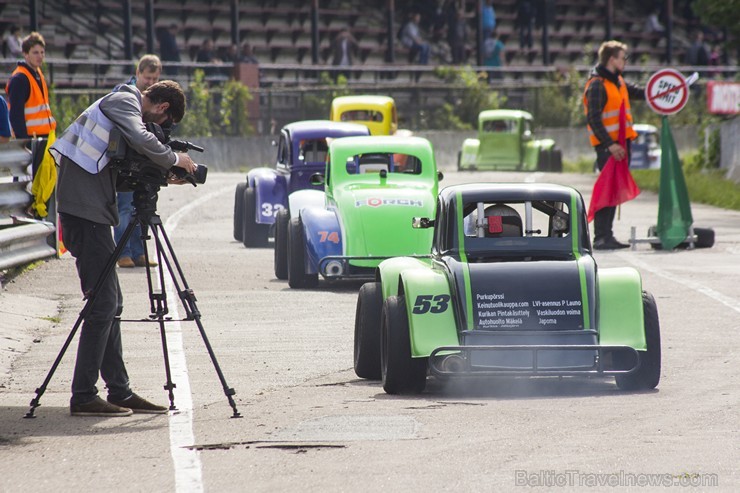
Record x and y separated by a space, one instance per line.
139 405
141 262
126 263
98 407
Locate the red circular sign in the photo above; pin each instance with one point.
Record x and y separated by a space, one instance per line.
667 91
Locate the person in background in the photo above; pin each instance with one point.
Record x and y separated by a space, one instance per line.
31 118
247 54
411 39
488 19
28 94
525 15
148 71
603 97
5 132
344 50
168 49
13 42
457 36
493 50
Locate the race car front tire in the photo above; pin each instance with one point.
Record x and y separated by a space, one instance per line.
282 221
367 331
401 374
239 210
255 235
647 375
297 277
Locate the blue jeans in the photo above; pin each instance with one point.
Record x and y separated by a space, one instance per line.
423 52
134 248
99 352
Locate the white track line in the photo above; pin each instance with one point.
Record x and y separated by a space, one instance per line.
188 470
715 295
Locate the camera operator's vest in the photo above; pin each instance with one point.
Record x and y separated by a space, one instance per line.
86 140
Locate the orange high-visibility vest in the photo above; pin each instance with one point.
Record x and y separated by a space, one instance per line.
610 114
39 121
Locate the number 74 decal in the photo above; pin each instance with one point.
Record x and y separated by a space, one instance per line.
430 303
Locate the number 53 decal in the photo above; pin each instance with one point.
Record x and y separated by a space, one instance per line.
430 303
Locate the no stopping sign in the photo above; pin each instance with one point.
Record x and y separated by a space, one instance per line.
667 91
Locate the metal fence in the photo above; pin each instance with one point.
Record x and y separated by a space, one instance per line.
22 239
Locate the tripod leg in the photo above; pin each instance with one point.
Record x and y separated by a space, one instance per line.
158 305
188 301
90 297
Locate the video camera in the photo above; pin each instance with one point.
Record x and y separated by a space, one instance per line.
136 168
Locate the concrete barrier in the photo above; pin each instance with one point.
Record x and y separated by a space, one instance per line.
237 153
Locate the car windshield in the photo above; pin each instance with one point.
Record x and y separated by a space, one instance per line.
500 126
376 162
313 151
362 116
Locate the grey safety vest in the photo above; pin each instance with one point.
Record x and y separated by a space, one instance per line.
86 140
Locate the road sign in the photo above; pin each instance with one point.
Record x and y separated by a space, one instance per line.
667 91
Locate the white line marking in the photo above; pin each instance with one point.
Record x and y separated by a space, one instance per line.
188 470
715 295
532 178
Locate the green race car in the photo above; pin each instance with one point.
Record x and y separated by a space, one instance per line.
510 288
373 187
505 142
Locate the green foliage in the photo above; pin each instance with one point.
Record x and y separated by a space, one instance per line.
721 13
704 186
197 121
66 108
233 109
560 102
470 95
316 104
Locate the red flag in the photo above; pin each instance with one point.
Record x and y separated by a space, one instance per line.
615 184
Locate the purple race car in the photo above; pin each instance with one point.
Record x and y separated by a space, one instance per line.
301 152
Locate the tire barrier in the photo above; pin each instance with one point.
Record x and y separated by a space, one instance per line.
22 240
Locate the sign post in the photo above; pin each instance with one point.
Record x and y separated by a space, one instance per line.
667 92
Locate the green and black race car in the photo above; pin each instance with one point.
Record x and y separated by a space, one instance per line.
510 288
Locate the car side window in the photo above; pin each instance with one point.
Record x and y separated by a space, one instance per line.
283 151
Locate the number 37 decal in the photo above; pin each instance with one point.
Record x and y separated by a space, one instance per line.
430 303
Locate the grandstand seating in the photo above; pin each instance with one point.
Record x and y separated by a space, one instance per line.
280 30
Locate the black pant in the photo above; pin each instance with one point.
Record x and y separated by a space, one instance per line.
99 351
604 218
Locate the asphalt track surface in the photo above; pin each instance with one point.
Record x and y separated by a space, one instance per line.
309 424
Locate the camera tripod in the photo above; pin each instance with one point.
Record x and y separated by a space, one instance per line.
145 215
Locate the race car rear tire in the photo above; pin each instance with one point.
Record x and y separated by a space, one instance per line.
367 331
282 221
297 277
255 235
401 374
647 375
556 160
239 210
543 160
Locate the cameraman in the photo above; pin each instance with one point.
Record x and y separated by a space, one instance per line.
86 195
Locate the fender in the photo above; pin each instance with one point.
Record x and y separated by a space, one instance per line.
323 235
430 311
469 155
305 199
621 320
271 193
390 271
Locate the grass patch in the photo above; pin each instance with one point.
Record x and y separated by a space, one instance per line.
705 186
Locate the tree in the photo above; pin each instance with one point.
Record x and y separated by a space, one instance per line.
721 13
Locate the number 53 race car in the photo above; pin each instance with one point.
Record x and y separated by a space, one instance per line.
510 288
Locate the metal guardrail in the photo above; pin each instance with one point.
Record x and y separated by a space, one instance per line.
22 240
